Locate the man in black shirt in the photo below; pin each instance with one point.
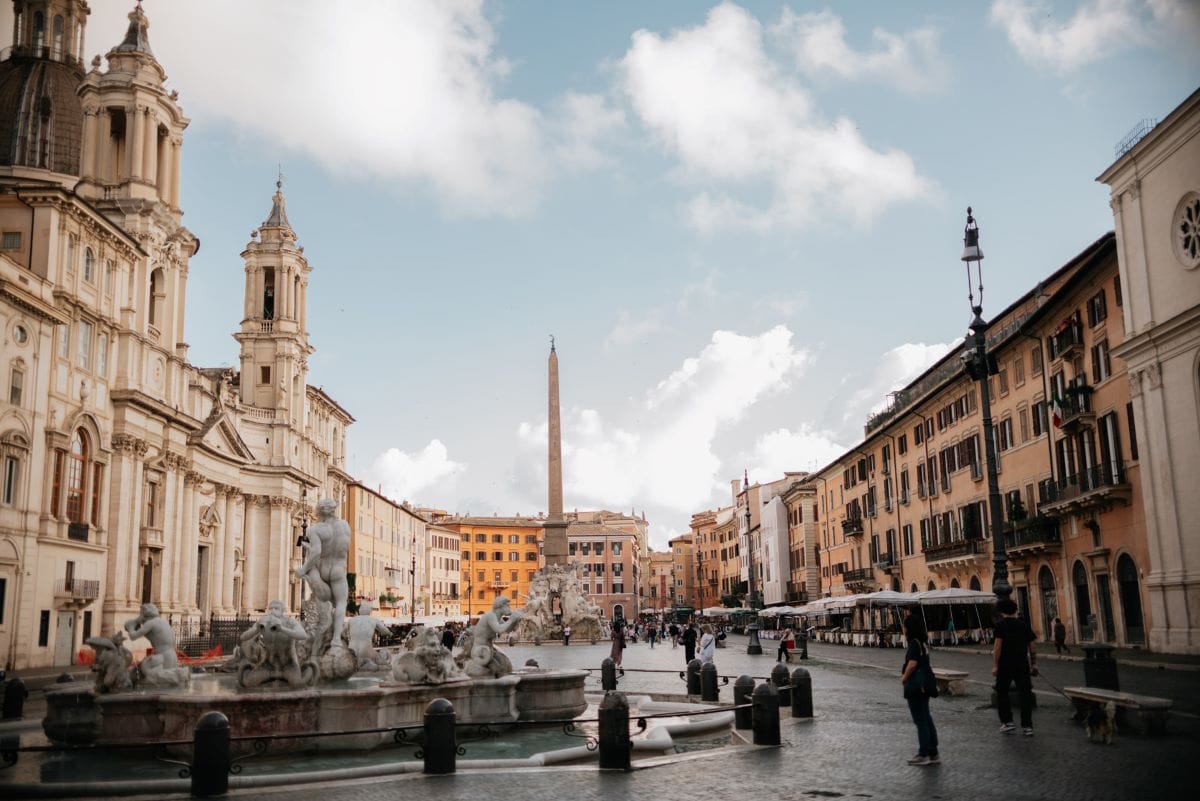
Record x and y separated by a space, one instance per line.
689 643
1014 660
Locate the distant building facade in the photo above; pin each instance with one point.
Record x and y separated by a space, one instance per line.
389 554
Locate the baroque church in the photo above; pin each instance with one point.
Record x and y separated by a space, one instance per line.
129 474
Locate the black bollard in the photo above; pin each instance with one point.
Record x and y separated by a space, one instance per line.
693 677
804 646
441 741
742 688
709 691
779 677
766 714
210 756
608 674
615 747
15 693
801 694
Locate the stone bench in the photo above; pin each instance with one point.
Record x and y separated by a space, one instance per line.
952 682
1150 711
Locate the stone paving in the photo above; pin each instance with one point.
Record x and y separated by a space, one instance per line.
856 746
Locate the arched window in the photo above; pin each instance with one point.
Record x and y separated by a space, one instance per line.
931 586
1083 603
89 266
156 296
39 29
57 46
895 585
1131 599
975 585
954 583
77 472
914 587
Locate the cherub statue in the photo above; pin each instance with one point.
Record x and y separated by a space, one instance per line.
113 663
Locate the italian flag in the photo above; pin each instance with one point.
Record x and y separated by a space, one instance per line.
1056 410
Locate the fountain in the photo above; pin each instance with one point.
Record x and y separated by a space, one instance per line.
322 676
539 622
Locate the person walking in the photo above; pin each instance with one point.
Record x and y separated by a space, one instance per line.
689 642
651 635
1060 637
1014 660
917 680
708 644
618 643
674 632
786 643
951 632
567 634
448 636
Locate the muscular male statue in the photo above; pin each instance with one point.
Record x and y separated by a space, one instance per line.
162 667
360 633
325 567
484 659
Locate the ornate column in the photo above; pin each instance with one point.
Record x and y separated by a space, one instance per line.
103 137
149 144
135 139
229 543
140 447
165 167
176 141
216 574
91 144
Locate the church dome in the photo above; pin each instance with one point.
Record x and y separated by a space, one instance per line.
41 119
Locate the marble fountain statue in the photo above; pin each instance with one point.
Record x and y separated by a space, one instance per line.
323 675
539 622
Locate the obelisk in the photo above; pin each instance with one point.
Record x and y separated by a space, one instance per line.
554 544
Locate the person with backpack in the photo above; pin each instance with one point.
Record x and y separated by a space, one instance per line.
919 686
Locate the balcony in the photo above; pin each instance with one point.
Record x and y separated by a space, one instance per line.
77 532
1077 409
1032 537
796 594
955 555
1098 488
852 527
1067 343
859 578
887 563
151 537
77 592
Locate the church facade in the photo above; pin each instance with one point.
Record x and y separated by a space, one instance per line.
129 474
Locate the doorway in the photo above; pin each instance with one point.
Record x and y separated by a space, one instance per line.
64 639
1104 601
1131 600
1049 601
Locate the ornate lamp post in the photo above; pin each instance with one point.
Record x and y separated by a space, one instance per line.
412 604
302 541
754 647
979 366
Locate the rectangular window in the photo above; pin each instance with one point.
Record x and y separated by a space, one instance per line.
16 387
151 503
44 628
1035 360
1023 423
902 444
1039 418
1133 450
907 535
264 374
97 475
64 341
109 268
83 354
918 434
1096 309
71 254
481 556
102 355
1002 377
1101 364
514 539
497 556
513 556
10 240
9 496
598 547
1117 297
1018 367
570 549
530 556
60 464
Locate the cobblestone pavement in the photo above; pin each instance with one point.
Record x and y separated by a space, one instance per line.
856 746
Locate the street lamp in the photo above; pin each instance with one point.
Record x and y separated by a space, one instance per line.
979 366
302 541
754 647
412 603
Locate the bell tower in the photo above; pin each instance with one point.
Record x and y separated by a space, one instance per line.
274 332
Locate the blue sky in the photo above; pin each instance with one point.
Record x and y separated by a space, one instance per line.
742 222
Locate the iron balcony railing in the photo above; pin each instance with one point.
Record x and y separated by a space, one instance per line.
77 532
852 527
858 574
1032 531
78 588
1076 403
1066 341
954 550
1097 477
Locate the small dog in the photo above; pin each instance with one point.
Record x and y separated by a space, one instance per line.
1102 722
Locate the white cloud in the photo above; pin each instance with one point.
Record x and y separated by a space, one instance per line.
662 456
1097 28
742 127
631 329
911 61
408 92
402 475
895 369
784 450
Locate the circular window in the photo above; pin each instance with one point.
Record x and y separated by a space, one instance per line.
20 334
1187 231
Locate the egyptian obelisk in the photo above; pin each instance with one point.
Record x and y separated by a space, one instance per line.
555 528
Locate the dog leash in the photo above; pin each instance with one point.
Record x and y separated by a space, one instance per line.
1054 687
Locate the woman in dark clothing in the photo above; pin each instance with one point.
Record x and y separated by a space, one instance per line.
618 642
917 679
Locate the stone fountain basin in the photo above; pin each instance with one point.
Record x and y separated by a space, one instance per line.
155 716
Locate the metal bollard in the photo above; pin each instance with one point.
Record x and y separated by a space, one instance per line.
441 740
210 755
709 691
608 674
742 688
766 714
615 747
15 693
779 677
804 646
693 677
801 694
